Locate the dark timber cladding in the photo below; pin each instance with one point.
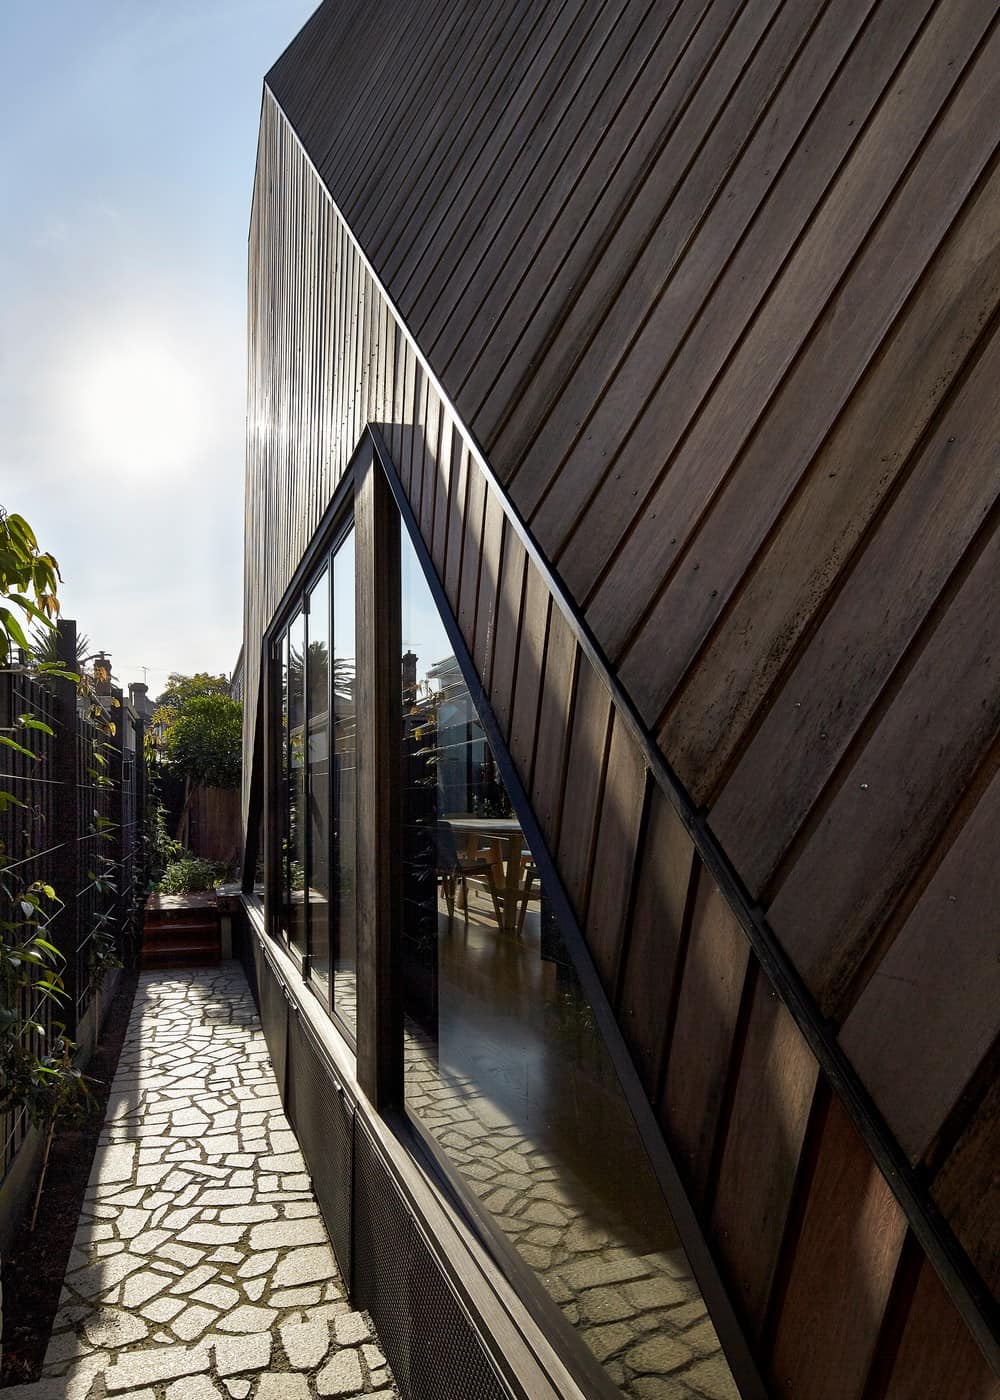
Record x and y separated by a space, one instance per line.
712 287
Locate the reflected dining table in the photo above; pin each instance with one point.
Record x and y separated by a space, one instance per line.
469 831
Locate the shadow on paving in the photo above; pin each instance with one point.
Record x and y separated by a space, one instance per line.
201 1266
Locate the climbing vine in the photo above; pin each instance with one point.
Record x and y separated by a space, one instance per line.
37 1073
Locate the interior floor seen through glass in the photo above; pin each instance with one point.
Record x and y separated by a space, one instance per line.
505 1066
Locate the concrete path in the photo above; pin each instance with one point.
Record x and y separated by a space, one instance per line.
201 1266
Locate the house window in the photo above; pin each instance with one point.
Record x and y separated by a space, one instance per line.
316 780
295 900
506 1073
507 1079
344 748
320 832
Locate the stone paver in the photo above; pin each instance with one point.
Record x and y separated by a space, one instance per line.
201 1266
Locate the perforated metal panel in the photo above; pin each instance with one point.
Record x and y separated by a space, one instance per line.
274 1020
323 1119
246 951
434 1350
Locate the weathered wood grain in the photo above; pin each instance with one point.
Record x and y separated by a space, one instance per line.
908 1010
918 761
842 1270
712 987
759 1163
667 870
936 1354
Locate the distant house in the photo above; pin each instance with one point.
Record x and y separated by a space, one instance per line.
236 679
621 686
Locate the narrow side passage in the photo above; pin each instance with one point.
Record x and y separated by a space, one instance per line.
201 1266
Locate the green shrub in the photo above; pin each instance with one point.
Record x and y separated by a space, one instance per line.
190 874
205 742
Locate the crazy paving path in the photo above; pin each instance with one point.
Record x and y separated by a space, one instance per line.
201 1266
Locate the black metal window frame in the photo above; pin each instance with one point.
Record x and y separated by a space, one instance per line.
573 1351
334 530
428 1158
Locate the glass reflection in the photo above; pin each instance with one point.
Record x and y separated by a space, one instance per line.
345 784
297 826
318 698
504 1064
285 914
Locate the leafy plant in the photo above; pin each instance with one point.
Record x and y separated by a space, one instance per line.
163 849
28 584
45 652
205 742
38 1078
178 691
190 874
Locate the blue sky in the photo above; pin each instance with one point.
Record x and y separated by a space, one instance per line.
127 150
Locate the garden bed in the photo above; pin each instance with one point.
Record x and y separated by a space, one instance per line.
34 1269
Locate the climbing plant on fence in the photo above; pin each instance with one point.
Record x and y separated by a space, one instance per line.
37 1078
65 806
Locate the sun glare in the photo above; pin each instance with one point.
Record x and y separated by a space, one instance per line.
140 408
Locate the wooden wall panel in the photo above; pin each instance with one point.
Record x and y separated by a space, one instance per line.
557 684
908 1010
841 1271
657 933
967 1189
936 731
615 855
712 427
712 989
936 1355
589 736
775 1085
503 677
714 285
894 580
530 673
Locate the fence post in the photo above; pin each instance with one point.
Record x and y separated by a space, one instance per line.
66 859
141 856
116 833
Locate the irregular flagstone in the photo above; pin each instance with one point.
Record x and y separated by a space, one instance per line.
306 1266
201 1261
305 1343
342 1375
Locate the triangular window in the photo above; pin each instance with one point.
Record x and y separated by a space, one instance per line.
507 1075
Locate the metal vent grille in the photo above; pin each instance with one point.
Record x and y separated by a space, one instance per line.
431 1345
323 1120
274 1021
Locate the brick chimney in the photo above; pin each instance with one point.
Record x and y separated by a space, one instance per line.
102 674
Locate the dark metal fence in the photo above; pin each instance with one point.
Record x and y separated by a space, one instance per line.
77 825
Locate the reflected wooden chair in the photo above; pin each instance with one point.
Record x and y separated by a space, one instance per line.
456 870
529 878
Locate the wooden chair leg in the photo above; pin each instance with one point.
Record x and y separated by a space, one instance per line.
497 911
529 880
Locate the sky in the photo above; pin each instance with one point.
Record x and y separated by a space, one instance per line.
127 148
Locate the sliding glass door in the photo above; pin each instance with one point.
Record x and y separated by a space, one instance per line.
316 768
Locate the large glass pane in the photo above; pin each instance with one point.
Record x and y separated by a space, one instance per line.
504 1064
283 815
345 763
318 696
297 824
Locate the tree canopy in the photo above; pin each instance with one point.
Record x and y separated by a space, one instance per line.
205 740
180 689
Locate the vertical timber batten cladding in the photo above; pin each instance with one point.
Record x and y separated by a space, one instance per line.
712 288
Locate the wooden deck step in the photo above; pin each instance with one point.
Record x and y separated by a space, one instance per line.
181 931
